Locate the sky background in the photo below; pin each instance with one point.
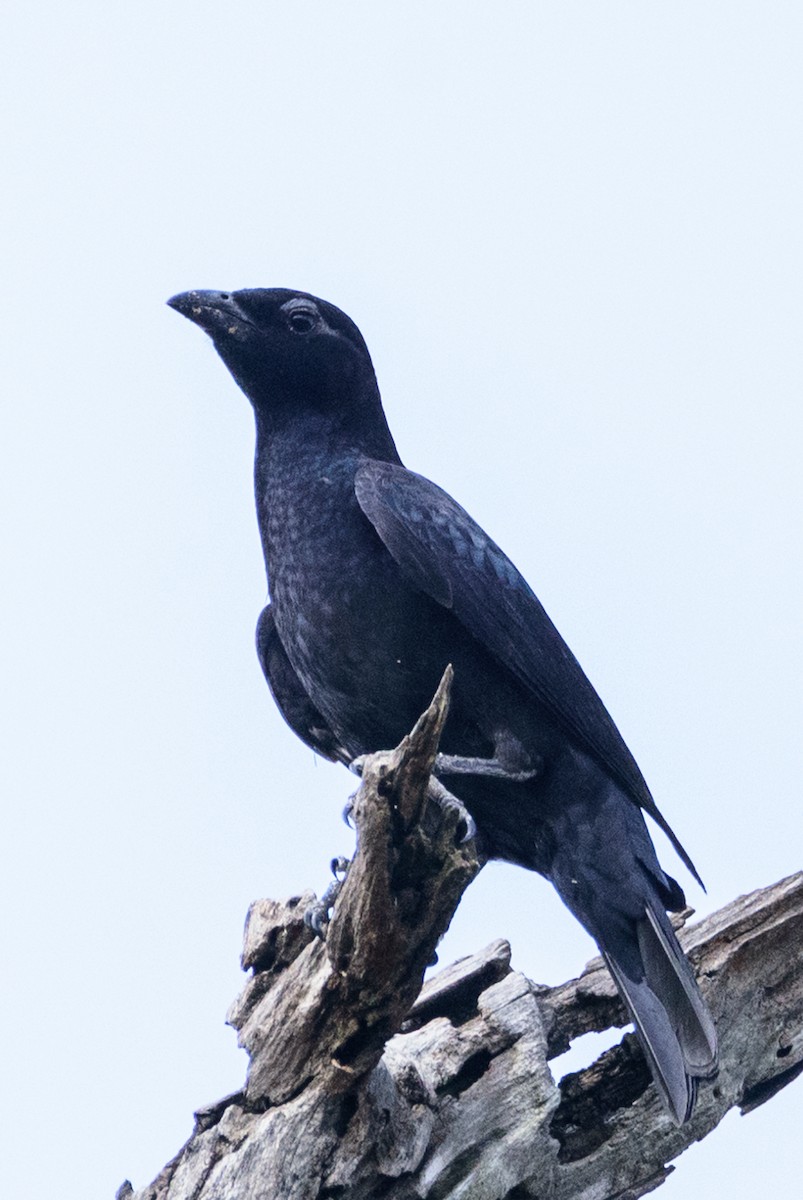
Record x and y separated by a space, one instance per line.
571 235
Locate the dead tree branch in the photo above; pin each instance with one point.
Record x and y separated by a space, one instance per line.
358 1090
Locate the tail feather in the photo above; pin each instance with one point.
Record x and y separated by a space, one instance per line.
605 868
669 973
662 1049
671 1019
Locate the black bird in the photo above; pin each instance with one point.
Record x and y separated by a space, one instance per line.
378 579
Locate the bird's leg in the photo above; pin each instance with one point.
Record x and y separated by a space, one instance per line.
491 768
458 764
317 915
518 768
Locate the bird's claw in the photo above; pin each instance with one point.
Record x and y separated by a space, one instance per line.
450 803
318 913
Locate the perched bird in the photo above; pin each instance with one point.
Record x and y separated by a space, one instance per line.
378 579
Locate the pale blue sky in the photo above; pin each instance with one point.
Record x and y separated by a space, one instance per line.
571 234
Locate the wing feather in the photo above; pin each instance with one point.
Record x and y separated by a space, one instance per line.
444 553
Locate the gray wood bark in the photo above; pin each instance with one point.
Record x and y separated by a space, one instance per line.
361 1084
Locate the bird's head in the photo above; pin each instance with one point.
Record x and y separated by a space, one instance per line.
286 349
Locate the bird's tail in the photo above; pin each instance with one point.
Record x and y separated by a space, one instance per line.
606 870
672 1021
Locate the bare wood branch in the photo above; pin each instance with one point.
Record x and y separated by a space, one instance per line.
357 1089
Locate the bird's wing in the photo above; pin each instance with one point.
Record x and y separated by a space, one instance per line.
291 700
444 553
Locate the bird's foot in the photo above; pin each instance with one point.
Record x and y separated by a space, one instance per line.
450 803
456 764
318 913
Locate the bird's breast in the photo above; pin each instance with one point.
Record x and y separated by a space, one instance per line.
353 631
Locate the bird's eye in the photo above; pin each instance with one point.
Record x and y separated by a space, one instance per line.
302 320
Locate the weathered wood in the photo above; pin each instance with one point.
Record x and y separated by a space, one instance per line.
322 1011
357 1089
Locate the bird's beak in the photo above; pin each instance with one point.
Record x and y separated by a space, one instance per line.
215 312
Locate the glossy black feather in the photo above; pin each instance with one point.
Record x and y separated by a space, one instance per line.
291 700
445 553
377 580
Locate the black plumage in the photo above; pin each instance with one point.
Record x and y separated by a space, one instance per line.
377 580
